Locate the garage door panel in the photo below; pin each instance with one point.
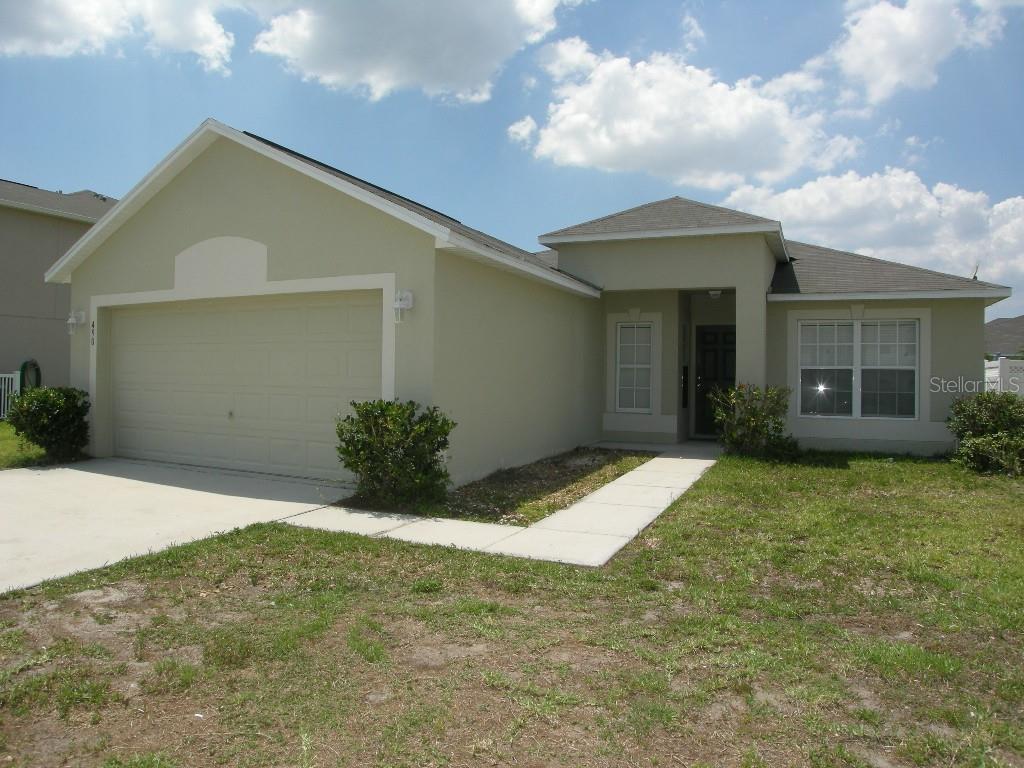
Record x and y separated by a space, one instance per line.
364 321
285 364
247 361
322 456
244 383
267 324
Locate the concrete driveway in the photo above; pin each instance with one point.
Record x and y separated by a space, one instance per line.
59 520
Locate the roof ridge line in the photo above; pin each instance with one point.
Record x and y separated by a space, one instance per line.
714 207
612 215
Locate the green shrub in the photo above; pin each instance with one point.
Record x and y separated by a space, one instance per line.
396 450
987 413
753 421
54 418
1001 452
990 432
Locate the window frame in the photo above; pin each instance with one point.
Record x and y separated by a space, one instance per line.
858 367
619 326
835 366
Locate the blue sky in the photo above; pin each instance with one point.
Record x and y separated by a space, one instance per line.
888 128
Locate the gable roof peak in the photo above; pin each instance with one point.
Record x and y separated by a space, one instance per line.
674 216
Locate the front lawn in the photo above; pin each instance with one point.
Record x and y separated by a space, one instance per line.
15 452
848 611
524 495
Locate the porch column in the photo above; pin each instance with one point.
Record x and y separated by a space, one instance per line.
751 335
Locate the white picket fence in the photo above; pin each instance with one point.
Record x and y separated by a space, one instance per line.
10 385
1005 375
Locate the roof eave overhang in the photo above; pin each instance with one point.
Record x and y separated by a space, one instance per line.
208 132
772 232
43 210
179 158
512 264
992 295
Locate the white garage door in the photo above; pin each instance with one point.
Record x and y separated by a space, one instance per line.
251 384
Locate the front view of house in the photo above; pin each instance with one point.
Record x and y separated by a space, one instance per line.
242 294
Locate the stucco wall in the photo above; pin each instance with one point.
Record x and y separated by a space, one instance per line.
740 262
952 346
648 274
518 364
310 230
33 312
661 308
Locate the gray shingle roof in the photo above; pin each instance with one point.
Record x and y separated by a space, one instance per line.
1004 336
85 203
669 214
481 238
815 269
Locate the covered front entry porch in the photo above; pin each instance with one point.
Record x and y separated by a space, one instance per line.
666 351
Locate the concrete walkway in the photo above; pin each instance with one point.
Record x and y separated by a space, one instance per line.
589 532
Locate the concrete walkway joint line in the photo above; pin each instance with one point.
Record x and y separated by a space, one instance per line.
589 532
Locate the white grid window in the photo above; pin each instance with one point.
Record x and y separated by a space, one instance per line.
888 361
633 367
826 369
864 368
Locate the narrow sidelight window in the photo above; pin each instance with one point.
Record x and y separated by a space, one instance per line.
633 367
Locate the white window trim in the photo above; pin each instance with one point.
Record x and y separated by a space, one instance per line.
653 422
916 368
858 368
852 368
618 366
858 315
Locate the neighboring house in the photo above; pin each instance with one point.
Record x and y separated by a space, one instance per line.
36 228
1004 337
242 294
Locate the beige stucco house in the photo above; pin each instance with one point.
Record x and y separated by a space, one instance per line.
242 294
37 227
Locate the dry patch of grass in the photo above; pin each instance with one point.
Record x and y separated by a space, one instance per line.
760 621
526 494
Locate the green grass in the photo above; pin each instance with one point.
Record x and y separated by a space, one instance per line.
15 452
844 611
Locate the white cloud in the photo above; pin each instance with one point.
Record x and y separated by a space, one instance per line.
888 47
568 58
665 117
522 131
914 148
445 47
693 33
64 28
789 84
894 215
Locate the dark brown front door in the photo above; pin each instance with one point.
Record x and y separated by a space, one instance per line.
716 369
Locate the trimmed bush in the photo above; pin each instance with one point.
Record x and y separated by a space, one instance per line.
990 432
396 450
987 413
54 418
1001 452
753 421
